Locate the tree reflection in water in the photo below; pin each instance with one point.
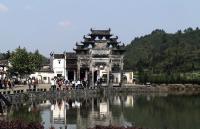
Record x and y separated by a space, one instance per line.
26 113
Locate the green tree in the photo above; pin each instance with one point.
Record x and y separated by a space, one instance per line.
24 63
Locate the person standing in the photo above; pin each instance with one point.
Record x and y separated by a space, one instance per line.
1 85
29 83
53 84
34 84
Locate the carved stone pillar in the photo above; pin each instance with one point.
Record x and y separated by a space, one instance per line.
78 71
108 75
92 84
74 74
86 75
67 78
121 71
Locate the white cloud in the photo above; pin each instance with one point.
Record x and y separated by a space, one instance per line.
64 24
3 8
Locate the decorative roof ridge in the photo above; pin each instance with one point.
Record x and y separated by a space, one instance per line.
100 32
86 37
87 42
77 44
91 29
70 53
114 38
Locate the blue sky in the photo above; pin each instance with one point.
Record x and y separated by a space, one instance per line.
56 25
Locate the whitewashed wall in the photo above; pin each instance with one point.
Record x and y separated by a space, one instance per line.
59 67
129 76
43 77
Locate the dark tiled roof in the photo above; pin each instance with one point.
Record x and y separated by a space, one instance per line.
59 56
46 70
128 70
71 55
100 32
68 66
4 62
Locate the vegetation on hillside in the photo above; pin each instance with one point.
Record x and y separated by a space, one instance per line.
166 58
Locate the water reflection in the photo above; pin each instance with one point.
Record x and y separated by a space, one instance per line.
161 112
27 113
58 112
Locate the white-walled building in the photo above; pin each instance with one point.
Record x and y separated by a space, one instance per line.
44 75
59 65
128 77
64 65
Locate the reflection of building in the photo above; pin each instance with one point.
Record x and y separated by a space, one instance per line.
97 114
45 103
129 101
117 100
104 110
102 116
98 57
58 113
92 112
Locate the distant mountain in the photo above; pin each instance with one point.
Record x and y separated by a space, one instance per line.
162 52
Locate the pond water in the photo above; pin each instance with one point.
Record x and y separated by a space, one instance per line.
150 111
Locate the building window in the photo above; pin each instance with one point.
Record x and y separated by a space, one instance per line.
59 61
44 78
59 75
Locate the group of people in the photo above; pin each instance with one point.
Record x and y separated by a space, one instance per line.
59 84
32 83
56 83
6 83
10 83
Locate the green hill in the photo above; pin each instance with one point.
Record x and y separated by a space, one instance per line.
164 52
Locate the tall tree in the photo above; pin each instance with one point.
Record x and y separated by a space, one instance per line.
24 63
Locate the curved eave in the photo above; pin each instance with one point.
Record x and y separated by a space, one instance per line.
114 42
80 45
114 39
80 49
87 42
119 50
100 35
